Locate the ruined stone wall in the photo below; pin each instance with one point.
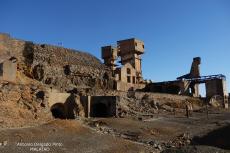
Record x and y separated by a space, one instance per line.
57 67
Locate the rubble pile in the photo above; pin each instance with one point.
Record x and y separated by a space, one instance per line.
141 104
22 105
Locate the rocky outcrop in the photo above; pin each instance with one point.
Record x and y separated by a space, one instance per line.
23 105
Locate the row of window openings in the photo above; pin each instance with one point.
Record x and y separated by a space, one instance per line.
129 79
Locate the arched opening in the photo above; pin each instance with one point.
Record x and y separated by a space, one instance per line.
99 110
58 111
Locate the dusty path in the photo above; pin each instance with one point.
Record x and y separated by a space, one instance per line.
64 137
110 135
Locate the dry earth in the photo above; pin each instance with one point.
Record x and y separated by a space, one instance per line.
117 135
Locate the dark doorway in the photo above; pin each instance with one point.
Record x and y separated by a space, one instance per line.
99 110
58 111
67 70
1 69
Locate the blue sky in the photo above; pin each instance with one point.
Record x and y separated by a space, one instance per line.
174 31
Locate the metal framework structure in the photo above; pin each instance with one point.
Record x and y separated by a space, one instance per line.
203 79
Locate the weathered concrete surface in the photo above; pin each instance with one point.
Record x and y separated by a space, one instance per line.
217 87
57 97
8 70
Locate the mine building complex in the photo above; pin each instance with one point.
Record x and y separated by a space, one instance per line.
188 84
129 75
121 71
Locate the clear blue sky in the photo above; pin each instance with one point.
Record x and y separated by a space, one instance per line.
174 31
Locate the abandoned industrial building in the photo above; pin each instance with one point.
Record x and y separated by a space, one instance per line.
71 92
121 71
129 75
114 76
188 84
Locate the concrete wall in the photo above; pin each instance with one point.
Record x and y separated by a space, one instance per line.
130 51
56 97
172 87
130 45
138 63
8 70
217 87
122 86
180 87
122 83
65 105
124 74
99 106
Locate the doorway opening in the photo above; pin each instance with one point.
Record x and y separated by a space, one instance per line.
58 111
99 110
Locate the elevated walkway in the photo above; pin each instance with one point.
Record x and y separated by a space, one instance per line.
203 79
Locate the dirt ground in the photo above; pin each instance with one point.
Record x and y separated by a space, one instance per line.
64 136
163 132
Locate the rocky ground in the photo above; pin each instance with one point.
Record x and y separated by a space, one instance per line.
65 136
165 132
168 133
146 123
23 105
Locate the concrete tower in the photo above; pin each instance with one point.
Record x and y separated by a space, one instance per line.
130 51
109 55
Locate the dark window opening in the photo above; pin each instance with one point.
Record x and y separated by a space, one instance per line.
42 45
1 69
128 79
128 71
134 80
67 70
143 46
135 44
106 76
99 110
